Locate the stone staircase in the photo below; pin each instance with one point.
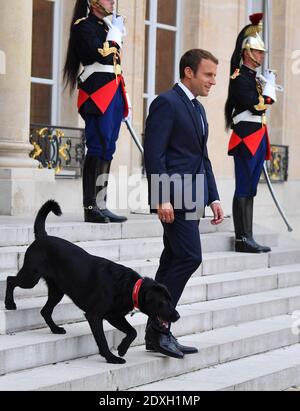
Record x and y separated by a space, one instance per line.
238 309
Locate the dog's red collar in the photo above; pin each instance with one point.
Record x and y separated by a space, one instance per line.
135 293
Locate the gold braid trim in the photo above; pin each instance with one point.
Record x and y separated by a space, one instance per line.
261 106
79 20
236 74
107 51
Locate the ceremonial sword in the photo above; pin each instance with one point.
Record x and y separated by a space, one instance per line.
266 66
134 136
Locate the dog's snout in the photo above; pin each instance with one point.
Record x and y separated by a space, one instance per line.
176 316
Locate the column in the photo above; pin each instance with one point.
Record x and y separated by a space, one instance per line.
20 177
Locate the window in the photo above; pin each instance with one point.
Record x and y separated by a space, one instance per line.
162 48
45 61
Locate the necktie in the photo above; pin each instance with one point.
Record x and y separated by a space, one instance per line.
199 113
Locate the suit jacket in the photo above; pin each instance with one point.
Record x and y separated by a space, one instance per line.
176 145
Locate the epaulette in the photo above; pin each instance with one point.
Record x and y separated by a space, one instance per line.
235 74
79 20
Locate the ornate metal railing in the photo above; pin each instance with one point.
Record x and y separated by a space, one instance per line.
279 164
58 148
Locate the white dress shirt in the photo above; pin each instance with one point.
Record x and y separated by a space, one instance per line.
191 97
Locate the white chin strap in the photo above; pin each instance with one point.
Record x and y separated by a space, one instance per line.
253 58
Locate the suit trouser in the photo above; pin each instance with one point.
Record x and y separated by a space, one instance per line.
181 255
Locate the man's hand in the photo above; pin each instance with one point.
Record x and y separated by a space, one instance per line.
218 213
166 213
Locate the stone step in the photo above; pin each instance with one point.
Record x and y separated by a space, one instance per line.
199 316
223 262
127 249
22 233
146 268
276 370
28 316
202 288
40 290
213 263
240 283
93 374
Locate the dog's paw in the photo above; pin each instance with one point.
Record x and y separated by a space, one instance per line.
115 360
125 344
58 330
10 306
122 349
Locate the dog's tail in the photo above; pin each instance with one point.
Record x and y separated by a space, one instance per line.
39 224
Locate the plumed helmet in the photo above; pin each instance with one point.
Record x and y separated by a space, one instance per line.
248 39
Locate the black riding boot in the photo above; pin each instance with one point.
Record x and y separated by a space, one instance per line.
263 249
242 218
91 212
102 171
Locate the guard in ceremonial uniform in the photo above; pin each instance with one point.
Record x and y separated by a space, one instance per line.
96 44
248 99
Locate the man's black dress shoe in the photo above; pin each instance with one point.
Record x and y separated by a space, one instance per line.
164 344
183 348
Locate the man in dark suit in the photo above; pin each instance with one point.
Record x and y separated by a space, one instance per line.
178 169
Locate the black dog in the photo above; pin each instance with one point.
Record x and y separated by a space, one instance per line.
99 287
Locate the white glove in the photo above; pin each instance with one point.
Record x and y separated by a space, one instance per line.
269 89
118 21
270 77
117 30
129 116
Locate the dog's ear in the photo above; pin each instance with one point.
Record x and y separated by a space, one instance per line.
154 285
163 289
167 292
